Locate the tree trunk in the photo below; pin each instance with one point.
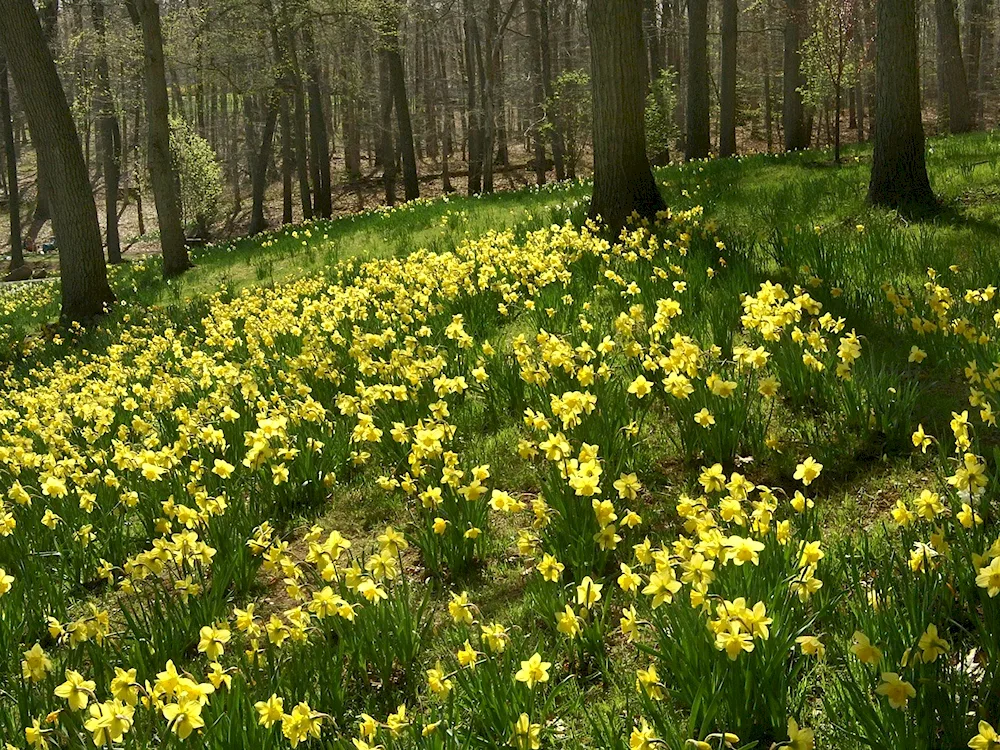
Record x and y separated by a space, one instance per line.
555 124
260 158
623 181
698 143
727 112
444 97
899 169
792 112
975 23
110 135
473 71
537 87
287 164
85 290
10 153
319 138
163 176
960 117
301 144
387 153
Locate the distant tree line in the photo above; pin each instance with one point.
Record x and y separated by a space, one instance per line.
117 98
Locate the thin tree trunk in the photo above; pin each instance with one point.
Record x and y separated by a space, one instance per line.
287 164
792 111
389 32
727 113
85 289
698 143
473 66
260 158
163 176
387 152
899 169
975 23
960 118
537 87
623 181
10 154
444 97
555 124
319 138
110 135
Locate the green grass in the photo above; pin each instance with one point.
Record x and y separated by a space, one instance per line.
786 218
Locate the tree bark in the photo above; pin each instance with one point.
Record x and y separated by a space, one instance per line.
698 143
287 163
110 135
727 112
792 112
389 33
165 181
10 154
260 158
960 119
85 289
386 151
623 181
319 137
899 169
555 124
473 71
533 25
976 18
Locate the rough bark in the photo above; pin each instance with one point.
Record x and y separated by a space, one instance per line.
960 119
899 170
727 111
623 181
85 289
792 111
163 177
698 142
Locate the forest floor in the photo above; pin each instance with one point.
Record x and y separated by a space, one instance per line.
798 220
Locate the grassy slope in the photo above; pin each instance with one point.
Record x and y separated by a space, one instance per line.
767 208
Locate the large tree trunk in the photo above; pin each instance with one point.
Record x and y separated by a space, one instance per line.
85 290
792 112
960 117
899 169
10 153
623 181
727 112
698 142
163 176
110 135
